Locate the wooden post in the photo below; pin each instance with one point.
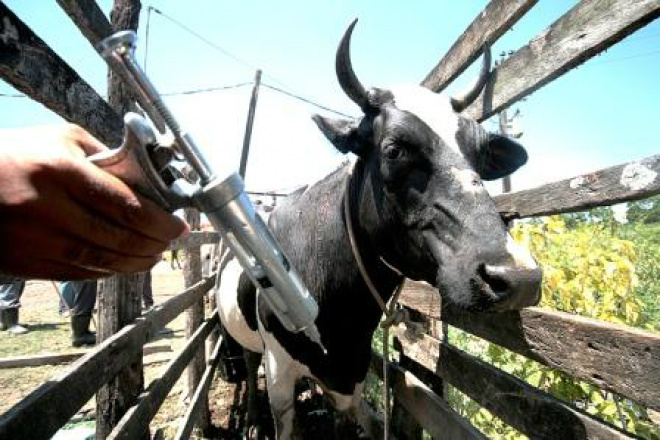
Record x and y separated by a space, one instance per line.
120 297
215 333
504 121
250 123
404 425
192 272
119 304
29 65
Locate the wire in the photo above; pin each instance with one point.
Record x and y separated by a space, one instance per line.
279 192
214 45
146 39
210 89
12 95
242 62
268 193
223 88
308 101
182 92
639 55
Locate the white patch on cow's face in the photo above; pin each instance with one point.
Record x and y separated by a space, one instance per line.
433 109
230 313
521 255
468 179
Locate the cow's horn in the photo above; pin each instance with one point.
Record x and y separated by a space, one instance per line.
463 100
347 79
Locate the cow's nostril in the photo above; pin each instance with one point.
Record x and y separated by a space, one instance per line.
496 278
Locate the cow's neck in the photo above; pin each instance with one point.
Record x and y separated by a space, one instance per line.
368 229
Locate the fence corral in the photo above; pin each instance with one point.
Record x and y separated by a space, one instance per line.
57 400
615 358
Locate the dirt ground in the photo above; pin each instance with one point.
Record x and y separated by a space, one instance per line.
50 333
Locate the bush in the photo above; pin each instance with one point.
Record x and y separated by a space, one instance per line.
593 267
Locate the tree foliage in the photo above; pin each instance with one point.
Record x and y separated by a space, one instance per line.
645 211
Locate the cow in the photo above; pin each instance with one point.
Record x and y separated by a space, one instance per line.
418 208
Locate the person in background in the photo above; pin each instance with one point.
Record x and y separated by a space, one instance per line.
80 297
10 301
174 253
147 292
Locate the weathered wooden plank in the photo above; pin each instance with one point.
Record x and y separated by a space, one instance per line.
487 27
94 25
120 296
90 19
586 30
403 424
192 273
136 420
163 313
63 358
195 239
29 65
518 404
620 359
620 183
199 397
375 421
57 400
433 413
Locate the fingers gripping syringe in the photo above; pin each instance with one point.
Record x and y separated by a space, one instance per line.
157 171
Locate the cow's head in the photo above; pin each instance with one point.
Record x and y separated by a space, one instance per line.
423 193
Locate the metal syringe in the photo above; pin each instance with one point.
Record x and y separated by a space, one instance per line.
155 170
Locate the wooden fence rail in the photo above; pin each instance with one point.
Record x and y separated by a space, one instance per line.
28 64
620 183
494 21
586 30
430 411
533 412
136 420
194 240
620 359
57 400
200 393
63 358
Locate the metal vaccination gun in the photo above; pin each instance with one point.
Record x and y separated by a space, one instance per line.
161 172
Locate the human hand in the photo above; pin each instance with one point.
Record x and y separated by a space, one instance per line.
62 217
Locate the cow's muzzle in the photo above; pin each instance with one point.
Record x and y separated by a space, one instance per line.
509 287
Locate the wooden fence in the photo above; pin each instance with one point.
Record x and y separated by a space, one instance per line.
617 359
614 358
49 407
33 68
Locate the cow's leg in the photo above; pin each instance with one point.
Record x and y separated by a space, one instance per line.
281 376
253 361
352 421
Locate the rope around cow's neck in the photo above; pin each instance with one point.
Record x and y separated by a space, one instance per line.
393 316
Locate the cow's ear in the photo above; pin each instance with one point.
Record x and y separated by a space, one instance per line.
343 133
500 156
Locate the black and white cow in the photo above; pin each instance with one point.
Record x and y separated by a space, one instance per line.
418 206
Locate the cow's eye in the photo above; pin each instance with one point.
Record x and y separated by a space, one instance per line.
394 152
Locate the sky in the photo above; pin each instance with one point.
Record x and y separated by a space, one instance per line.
601 114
